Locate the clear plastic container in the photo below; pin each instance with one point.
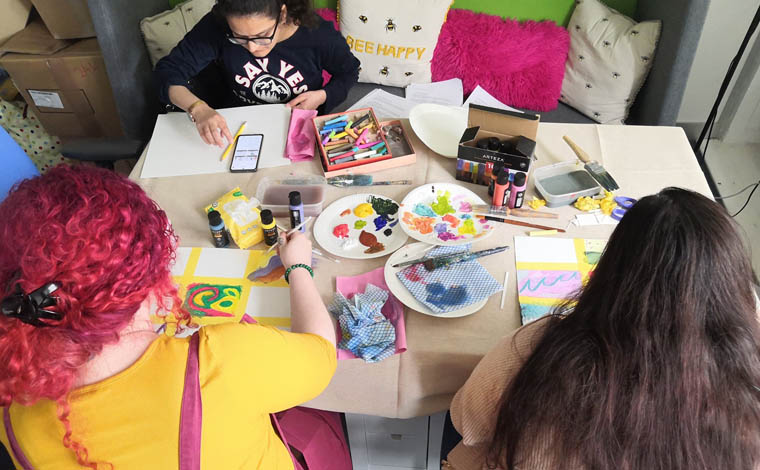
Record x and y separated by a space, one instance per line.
563 183
273 194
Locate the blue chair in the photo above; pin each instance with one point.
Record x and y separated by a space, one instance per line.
16 165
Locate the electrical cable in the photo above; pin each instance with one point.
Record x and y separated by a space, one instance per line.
747 201
738 192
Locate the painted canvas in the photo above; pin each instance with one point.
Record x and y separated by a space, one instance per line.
550 270
227 285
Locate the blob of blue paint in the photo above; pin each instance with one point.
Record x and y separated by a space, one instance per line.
393 224
465 216
380 222
441 228
423 210
443 298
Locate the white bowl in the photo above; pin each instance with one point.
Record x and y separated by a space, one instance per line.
439 127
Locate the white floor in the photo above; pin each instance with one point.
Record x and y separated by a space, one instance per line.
733 167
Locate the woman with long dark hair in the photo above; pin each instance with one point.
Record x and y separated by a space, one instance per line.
271 51
655 365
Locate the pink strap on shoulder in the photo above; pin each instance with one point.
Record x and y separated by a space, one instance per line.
18 454
191 413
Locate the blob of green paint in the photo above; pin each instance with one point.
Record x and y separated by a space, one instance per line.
383 206
360 224
443 205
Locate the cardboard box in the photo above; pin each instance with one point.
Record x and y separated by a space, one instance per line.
364 166
475 165
15 14
66 19
68 90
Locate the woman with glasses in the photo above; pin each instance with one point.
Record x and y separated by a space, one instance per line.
654 365
271 51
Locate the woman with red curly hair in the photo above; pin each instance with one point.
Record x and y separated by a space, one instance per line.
85 260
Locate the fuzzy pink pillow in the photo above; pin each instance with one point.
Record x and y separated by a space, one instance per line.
521 64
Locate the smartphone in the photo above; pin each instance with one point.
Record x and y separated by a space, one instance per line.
247 151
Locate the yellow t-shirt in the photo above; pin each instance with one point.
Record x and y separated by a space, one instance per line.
132 418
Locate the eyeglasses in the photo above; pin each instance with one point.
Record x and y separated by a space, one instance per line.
259 40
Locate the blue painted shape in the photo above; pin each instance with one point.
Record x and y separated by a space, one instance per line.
441 297
16 165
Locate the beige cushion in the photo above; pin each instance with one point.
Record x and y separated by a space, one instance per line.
163 31
393 39
609 59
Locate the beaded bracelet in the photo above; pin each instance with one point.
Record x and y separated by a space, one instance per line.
306 267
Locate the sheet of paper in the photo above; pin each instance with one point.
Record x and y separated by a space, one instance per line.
385 104
448 92
176 149
545 250
482 97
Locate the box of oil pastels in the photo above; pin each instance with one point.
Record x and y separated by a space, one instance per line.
356 142
495 138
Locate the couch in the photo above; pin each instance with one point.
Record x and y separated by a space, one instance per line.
129 69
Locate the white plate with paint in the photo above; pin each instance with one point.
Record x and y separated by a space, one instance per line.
441 214
347 228
439 127
408 253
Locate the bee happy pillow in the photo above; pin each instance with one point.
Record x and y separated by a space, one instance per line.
393 39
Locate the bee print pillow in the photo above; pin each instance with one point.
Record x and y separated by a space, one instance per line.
393 39
610 57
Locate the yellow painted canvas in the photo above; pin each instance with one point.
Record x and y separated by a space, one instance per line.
220 285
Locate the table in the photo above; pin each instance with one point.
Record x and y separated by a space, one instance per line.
443 352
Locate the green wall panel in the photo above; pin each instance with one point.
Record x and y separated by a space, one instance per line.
556 10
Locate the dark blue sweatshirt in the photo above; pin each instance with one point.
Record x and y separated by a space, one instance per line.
292 67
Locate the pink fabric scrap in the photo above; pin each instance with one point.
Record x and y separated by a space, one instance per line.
301 140
393 309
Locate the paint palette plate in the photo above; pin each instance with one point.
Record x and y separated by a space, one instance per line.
360 226
441 214
410 252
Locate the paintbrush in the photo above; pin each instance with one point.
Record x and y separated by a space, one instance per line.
291 232
432 264
483 210
523 224
344 181
594 168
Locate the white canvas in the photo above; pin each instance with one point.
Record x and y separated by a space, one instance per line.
176 149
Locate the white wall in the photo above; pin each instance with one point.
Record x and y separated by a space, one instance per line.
726 24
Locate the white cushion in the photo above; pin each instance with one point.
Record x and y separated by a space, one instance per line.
609 59
393 39
162 32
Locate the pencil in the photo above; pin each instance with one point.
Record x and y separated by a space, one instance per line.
229 147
